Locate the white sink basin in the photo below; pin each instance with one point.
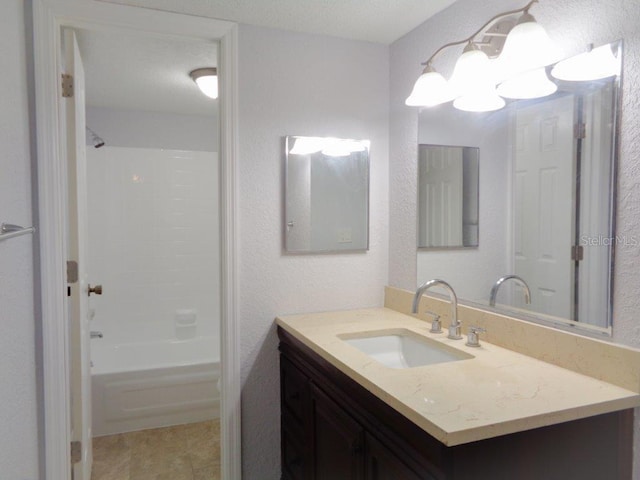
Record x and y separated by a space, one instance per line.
403 348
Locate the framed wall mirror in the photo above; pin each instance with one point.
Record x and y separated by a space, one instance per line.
547 204
447 196
326 195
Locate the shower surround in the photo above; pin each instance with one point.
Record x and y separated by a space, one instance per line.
154 246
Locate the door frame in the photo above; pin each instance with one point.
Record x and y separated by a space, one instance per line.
49 17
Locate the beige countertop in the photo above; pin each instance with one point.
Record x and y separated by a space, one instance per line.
496 392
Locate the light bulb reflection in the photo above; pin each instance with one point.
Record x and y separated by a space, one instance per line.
331 147
594 65
527 85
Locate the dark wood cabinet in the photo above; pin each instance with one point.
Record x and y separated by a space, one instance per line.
334 429
338 440
382 464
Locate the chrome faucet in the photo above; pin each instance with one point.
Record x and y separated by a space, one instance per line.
455 326
501 280
93 334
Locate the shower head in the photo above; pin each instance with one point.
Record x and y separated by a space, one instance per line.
95 139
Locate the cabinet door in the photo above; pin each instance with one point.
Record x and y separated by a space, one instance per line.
382 464
294 411
338 441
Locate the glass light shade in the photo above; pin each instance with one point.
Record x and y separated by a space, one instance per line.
430 89
207 81
531 84
594 65
479 101
208 86
472 73
527 47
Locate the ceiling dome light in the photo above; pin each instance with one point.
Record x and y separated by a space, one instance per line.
527 85
430 89
594 65
207 81
527 47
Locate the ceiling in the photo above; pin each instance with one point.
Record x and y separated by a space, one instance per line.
146 72
380 21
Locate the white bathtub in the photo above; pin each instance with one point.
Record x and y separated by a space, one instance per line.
148 385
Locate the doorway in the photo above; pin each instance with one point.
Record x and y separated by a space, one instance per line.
49 18
153 237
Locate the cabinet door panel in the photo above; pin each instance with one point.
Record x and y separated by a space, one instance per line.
382 464
293 386
293 457
337 440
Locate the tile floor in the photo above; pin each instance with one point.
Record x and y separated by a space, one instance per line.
183 452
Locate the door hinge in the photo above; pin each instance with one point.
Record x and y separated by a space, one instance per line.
72 271
580 130
67 85
577 253
76 451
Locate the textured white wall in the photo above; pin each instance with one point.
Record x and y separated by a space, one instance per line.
153 241
296 84
572 24
18 428
136 129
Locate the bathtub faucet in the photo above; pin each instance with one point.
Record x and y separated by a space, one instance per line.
95 335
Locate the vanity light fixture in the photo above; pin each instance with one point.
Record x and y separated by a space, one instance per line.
597 63
474 82
430 89
502 53
207 80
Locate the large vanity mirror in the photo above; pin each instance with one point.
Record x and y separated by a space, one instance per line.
326 195
547 204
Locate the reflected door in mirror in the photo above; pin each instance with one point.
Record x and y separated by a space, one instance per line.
544 185
447 196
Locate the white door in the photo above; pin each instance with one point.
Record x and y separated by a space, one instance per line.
543 214
79 353
440 196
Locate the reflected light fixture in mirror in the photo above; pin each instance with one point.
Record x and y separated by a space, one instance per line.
331 147
600 62
207 81
527 47
528 85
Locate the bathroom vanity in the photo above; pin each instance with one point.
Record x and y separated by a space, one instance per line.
492 414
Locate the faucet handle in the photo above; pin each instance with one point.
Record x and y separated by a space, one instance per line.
436 323
455 331
473 336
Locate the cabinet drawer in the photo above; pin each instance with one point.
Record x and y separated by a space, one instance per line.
294 388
